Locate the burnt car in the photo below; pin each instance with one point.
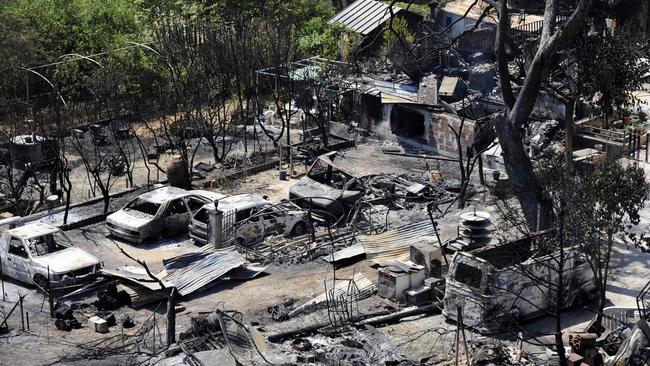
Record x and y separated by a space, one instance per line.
249 218
492 285
166 210
32 252
327 188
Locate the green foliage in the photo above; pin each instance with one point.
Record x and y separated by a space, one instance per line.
610 67
319 38
36 32
619 193
396 34
422 9
79 26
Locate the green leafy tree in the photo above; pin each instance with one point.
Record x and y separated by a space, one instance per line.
610 67
614 196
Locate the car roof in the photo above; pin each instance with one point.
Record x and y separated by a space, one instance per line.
239 202
208 194
33 230
164 194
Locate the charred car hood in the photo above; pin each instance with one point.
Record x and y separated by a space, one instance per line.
67 260
129 218
307 187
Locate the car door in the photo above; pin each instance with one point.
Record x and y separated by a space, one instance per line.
251 229
176 216
195 203
18 265
274 220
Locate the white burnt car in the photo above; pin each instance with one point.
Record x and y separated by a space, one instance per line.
166 210
248 218
26 253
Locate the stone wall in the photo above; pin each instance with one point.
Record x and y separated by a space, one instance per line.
438 136
443 139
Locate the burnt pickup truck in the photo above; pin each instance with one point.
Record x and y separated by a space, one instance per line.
26 253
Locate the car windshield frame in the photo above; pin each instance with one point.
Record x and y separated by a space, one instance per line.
139 202
37 244
469 275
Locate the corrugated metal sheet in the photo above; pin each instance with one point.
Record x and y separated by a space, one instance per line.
364 16
393 93
396 99
132 275
140 296
245 272
395 244
245 345
345 253
192 271
366 289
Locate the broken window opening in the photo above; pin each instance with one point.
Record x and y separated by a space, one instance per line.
407 123
143 206
242 215
194 203
48 244
176 207
468 275
17 248
201 216
507 254
328 174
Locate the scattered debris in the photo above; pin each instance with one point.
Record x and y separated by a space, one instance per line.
193 271
358 287
99 324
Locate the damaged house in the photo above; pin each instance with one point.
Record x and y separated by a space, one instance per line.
410 114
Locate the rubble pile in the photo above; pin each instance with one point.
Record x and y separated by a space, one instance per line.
545 138
384 254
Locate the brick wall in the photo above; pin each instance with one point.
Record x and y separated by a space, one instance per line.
442 138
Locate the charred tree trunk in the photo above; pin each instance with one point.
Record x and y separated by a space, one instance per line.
569 126
602 286
524 181
559 295
171 317
519 107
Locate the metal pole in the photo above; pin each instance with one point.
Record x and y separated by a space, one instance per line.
22 314
647 139
457 338
462 329
2 279
27 315
49 293
290 162
154 332
257 103
481 176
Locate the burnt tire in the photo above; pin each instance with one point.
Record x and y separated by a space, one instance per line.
240 242
299 229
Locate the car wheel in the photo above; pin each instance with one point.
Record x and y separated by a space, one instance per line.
41 282
299 229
